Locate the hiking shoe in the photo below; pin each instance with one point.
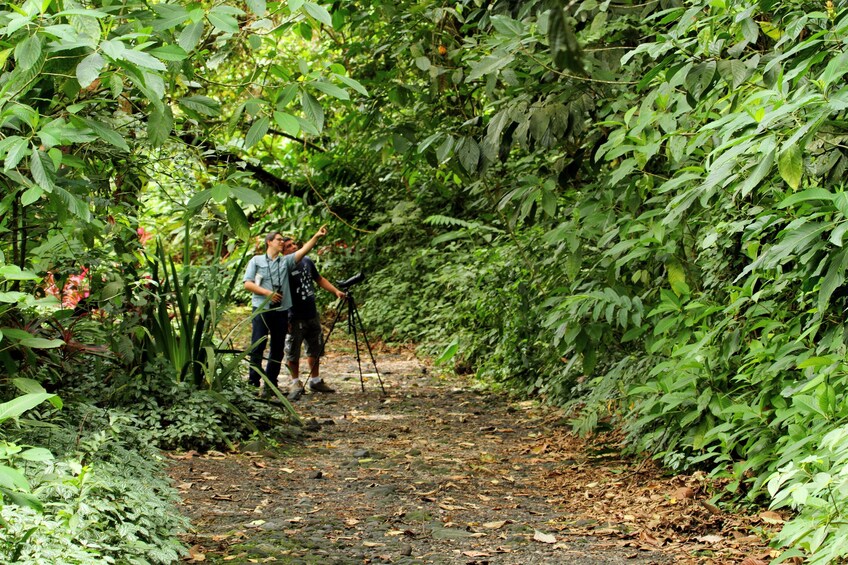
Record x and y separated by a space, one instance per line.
321 386
295 391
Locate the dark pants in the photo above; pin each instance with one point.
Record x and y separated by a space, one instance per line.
274 323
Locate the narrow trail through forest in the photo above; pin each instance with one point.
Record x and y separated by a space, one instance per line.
438 472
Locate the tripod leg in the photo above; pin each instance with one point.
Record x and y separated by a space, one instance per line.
332 324
351 312
368 345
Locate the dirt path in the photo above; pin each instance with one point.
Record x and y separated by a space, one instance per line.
437 472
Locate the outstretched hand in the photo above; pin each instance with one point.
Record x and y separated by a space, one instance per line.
322 231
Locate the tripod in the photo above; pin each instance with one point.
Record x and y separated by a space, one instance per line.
354 320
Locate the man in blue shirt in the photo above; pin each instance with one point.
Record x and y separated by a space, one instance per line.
267 278
305 325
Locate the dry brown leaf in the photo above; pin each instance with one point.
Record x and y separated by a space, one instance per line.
683 493
709 539
770 517
543 537
752 561
475 554
196 554
496 525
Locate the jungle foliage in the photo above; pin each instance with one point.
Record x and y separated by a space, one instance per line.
631 209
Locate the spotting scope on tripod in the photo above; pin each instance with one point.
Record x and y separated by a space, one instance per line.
354 325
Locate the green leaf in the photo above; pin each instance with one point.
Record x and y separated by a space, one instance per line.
237 220
352 83
295 5
549 202
159 126
199 199
107 134
16 152
41 174
190 36
449 353
443 151
563 43
805 195
11 478
222 22
29 386
36 454
143 59
201 104
28 52
256 132
247 195
220 192
31 195
258 7
331 89
469 154
790 164
313 110
318 12
41 343
89 69
170 53
17 406
699 78
287 123
423 63
494 62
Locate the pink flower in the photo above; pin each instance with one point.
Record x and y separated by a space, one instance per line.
143 235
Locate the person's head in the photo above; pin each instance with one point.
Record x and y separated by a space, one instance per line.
277 241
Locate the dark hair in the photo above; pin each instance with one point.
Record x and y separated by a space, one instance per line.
270 237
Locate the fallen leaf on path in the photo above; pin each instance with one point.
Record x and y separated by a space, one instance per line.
770 517
712 508
752 561
543 537
196 554
373 544
222 497
351 522
475 554
709 539
287 470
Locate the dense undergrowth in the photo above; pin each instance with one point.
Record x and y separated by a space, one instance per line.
633 210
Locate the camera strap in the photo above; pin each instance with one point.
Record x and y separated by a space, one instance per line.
276 281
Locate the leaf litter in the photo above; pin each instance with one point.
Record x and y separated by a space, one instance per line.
453 474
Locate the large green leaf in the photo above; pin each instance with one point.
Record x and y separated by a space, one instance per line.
257 131
17 406
318 12
28 52
190 36
331 89
89 69
237 220
107 134
313 110
790 164
287 123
